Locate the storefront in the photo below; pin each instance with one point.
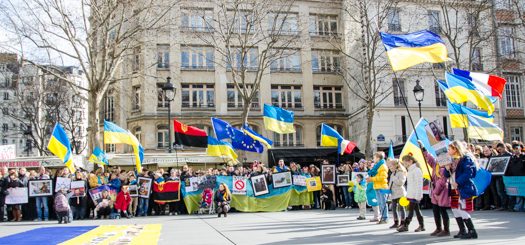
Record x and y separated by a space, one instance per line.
307 156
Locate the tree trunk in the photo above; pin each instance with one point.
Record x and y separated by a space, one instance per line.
369 123
246 111
93 123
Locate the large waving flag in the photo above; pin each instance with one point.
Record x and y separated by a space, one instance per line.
239 140
254 135
412 147
60 146
407 50
278 120
220 149
460 90
98 157
114 134
189 136
489 85
330 137
458 115
483 130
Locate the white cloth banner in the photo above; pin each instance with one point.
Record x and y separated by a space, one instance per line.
16 196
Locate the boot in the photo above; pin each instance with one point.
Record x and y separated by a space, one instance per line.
219 214
225 211
437 220
66 219
404 228
472 234
421 224
59 220
19 215
395 225
14 214
446 230
461 226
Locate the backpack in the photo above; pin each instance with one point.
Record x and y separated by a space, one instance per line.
61 203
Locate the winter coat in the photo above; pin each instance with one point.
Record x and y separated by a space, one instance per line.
123 201
439 192
381 179
414 183
360 192
61 203
465 172
516 166
397 184
115 184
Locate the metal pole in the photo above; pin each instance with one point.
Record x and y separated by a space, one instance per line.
419 104
169 127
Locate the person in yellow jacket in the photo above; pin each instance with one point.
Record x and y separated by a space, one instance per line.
378 175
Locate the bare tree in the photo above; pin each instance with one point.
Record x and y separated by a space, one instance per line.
96 35
249 36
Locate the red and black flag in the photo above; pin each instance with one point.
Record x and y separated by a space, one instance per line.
190 136
166 191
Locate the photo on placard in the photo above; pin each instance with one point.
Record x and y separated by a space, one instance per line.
259 184
78 188
483 163
313 184
62 184
144 185
342 180
354 175
328 174
282 179
299 180
133 191
40 188
498 165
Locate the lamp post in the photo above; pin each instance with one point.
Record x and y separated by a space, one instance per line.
29 142
419 93
169 95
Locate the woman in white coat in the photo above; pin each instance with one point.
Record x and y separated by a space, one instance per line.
397 182
414 193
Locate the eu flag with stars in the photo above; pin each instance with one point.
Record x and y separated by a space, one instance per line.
239 140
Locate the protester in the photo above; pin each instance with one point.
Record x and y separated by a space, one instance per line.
104 207
62 207
378 176
326 198
414 193
14 182
397 187
360 196
222 199
123 201
42 202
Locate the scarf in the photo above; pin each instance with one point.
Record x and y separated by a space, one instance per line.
373 172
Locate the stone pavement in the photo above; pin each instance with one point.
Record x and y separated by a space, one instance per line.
304 227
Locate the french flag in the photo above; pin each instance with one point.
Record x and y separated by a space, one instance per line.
487 84
346 147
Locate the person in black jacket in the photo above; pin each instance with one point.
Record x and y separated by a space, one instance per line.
3 191
14 182
516 167
222 200
326 198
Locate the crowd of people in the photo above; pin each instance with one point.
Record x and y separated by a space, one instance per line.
396 183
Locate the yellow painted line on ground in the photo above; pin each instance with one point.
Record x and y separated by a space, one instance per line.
119 235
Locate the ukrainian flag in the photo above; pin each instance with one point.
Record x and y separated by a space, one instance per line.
407 50
220 149
254 135
458 115
114 134
98 156
460 90
59 145
278 120
329 136
483 130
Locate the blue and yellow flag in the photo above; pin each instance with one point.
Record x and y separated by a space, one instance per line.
329 136
407 50
60 146
391 151
483 130
278 120
220 149
254 135
460 90
98 157
458 115
114 134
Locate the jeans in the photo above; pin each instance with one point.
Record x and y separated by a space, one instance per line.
396 208
348 197
78 212
520 204
382 205
317 196
143 206
500 188
39 202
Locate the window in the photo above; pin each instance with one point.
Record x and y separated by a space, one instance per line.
472 21
293 139
243 22
325 61
476 60
441 99
5 127
287 60
328 97
197 58
503 4
5 111
138 134
162 101
323 25
109 109
136 98
197 20
286 96
399 92
7 82
434 23
394 22
163 56
337 127
198 96
110 148
135 66
235 99
4 142
6 95
515 133
283 23
445 125
162 137
513 91
506 41
248 62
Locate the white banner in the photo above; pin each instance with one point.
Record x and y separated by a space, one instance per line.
7 152
299 180
239 185
63 183
16 196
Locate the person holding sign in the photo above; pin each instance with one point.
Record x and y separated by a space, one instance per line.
14 182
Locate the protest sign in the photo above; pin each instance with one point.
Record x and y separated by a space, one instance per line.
78 188
7 152
144 187
314 184
40 188
299 180
133 191
16 196
239 185
62 183
96 193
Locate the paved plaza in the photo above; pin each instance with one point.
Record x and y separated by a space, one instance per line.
302 227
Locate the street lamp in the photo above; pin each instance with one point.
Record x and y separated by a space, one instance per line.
419 93
169 95
28 132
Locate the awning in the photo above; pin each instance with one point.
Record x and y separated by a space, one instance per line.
310 156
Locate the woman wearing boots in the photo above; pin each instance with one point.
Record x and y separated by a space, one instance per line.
397 186
14 182
222 199
439 197
414 193
461 174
